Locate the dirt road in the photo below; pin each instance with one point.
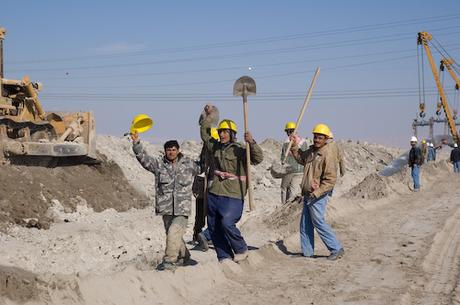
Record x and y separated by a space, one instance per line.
405 251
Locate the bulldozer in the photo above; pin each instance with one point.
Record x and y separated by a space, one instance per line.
27 130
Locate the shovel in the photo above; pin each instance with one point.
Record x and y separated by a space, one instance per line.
245 86
302 111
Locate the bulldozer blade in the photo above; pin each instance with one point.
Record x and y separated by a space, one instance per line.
242 83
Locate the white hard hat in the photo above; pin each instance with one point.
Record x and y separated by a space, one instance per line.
455 145
413 139
431 145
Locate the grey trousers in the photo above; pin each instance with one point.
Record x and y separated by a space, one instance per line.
290 186
175 227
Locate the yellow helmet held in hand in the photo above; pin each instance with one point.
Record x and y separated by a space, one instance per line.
215 134
227 124
141 123
289 125
322 129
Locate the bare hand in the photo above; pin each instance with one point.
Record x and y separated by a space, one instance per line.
208 108
315 185
295 139
248 137
134 136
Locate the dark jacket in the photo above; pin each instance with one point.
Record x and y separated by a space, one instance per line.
415 156
455 155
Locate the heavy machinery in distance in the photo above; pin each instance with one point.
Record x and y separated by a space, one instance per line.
424 40
27 130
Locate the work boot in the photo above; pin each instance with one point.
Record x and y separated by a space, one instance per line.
336 255
166 266
202 242
241 256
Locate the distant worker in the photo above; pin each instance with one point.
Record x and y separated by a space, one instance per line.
455 158
424 148
174 174
415 161
431 153
228 188
319 179
290 183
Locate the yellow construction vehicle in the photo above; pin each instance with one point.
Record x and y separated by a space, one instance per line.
424 39
27 130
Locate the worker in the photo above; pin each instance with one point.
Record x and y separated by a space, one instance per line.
318 181
229 186
174 175
424 148
290 183
415 161
455 158
431 153
202 237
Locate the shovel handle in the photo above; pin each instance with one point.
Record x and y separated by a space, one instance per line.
302 111
248 151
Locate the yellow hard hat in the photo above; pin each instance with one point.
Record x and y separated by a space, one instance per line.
227 124
215 134
141 123
289 125
322 129
423 141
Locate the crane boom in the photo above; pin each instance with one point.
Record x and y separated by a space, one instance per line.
447 62
424 39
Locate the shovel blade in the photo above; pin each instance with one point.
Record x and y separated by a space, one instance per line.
242 83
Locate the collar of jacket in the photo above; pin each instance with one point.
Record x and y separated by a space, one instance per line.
321 150
228 144
179 158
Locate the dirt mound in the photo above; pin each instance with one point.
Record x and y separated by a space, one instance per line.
372 187
18 285
27 192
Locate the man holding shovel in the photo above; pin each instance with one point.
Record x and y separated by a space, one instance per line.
318 181
229 186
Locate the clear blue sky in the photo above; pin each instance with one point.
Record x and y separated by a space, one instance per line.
169 58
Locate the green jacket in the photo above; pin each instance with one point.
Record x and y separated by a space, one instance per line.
229 158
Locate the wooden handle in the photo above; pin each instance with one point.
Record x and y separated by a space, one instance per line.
248 151
302 111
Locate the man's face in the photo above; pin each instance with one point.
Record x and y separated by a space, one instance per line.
289 131
224 135
319 140
171 153
413 143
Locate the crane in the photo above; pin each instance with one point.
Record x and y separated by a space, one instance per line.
424 39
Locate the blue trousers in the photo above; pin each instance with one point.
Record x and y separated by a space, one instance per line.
415 172
313 213
457 167
223 214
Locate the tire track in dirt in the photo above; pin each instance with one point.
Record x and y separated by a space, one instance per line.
441 267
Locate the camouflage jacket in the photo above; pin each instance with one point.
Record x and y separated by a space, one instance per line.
173 194
229 158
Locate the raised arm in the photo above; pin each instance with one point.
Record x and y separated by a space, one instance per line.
148 162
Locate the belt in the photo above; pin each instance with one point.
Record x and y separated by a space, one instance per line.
229 176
